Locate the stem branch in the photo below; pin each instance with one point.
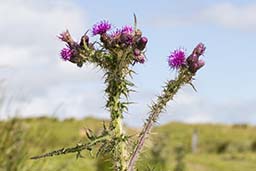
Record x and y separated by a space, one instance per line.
172 87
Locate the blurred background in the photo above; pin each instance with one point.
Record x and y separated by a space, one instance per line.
211 129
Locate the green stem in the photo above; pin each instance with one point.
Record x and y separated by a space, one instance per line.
116 88
172 87
116 126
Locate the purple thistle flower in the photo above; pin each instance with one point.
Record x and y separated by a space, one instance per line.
176 59
101 27
66 54
127 29
116 33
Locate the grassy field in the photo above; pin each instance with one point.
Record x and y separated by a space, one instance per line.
220 147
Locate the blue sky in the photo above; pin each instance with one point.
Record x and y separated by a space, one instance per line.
38 83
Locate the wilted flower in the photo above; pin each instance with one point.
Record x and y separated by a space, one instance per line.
199 49
193 60
66 54
101 27
64 36
176 58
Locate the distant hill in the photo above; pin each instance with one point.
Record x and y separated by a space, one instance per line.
218 147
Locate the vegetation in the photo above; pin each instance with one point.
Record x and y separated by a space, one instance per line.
220 147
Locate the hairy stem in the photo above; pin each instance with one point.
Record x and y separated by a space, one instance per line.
116 88
172 87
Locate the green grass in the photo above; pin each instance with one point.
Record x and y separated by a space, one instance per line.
46 134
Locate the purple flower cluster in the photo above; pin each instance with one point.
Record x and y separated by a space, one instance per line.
125 38
124 30
66 54
177 58
101 27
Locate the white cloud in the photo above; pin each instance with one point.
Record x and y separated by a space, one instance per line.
231 15
228 15
23 23
37 78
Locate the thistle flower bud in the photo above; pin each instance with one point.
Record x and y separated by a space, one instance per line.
200 64
106 40
199 49
126 38
136 52
193 61
84 39
66 37
141 44
138 33
140 58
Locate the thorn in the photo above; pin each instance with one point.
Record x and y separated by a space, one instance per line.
91 153
193 86
104 125
79 155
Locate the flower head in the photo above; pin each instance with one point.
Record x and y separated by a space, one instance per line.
115 33
66 54
176 58
127 29
101 27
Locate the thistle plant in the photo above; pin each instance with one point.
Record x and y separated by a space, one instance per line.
116 52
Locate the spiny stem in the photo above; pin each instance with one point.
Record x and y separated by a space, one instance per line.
172 87
117 86
77 149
